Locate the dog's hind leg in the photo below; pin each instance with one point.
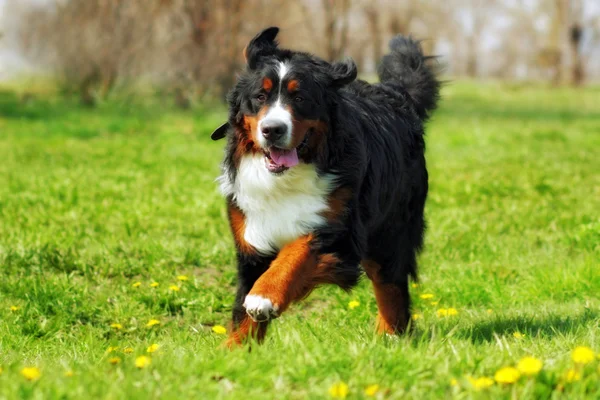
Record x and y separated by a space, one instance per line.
393 301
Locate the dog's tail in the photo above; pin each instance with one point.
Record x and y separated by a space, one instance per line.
408 67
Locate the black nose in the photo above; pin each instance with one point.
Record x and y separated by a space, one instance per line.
273 130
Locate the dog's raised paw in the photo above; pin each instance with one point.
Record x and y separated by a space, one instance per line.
259 308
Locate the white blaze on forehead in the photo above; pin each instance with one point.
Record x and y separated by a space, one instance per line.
277 113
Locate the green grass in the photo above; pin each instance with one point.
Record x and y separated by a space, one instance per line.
92 201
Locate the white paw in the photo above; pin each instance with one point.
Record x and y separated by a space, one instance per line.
259 308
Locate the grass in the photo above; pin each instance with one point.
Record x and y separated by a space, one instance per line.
93 201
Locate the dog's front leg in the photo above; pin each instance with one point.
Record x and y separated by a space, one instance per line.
290 277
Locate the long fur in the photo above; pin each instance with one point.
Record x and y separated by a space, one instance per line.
370 137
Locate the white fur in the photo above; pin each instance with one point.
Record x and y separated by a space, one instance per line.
278 208
259 308
282 70
276 114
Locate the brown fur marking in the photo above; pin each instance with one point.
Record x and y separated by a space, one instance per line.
237 220
391 317
337 203
293 85
267 84
245 330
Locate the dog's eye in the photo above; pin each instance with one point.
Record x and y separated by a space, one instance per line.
298 99
261 97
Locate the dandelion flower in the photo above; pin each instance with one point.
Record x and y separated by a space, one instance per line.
339 390
414 285
137 284
353 304
127 350
481 383
453 382
31 373
426 296
572 375
489 311
174 288
507 375
14 308
112 349
219 330
114 360
442 312
372 390
518 335
416 316
142 361
152 323
434 303
152 348
529 366
182 278
116 326
69 373
154 284
582 355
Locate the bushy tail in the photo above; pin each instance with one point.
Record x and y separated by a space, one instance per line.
406 66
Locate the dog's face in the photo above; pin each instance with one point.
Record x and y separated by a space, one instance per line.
279 107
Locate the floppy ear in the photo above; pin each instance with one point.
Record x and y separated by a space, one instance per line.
343 72
263 44
220 132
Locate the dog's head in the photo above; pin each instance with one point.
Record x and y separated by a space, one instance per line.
279 106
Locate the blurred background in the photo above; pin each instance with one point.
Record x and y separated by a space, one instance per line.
191 49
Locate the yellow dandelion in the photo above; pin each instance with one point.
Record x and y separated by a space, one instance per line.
416 316
31 373
69 373
481 383
14 308
582 355
182 278
572 375
137 284
142 361
446 312
434 303
339 390
426 296
114 360
112 349
116 326
154 284
507 375
152 348
414 285
127 350
152 323
518 335
174 288
453 382
372 390
529 366
1 370
452 311
353 304
489 311
219 330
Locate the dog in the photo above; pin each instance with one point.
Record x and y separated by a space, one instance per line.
324 174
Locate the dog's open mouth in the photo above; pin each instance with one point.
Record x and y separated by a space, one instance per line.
279 160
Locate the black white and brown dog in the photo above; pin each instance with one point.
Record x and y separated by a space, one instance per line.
323 174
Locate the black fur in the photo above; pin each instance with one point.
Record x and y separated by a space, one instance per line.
374 143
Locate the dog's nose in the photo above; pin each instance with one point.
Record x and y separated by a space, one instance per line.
273 130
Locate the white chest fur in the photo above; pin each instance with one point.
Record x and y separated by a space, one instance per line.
278 208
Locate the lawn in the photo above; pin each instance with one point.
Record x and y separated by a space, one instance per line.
111 218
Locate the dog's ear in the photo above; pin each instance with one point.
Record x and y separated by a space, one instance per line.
262 45
220 132
343 72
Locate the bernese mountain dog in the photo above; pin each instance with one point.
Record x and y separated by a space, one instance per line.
325 178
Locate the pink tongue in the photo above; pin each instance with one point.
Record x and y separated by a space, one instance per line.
287 158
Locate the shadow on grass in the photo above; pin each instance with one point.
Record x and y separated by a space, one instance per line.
529 325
